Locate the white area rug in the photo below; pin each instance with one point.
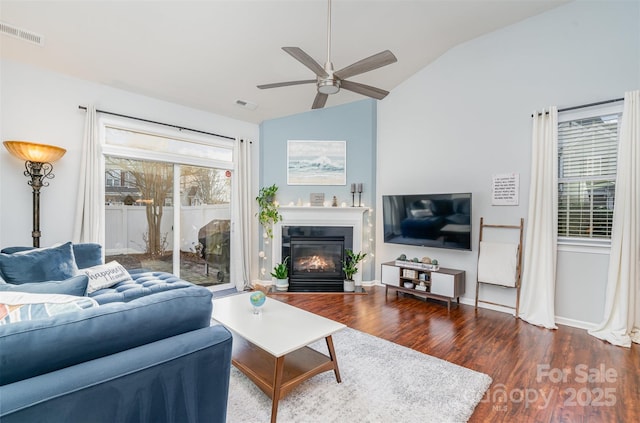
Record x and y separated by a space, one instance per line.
381 382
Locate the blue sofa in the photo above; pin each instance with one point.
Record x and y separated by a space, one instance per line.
146 353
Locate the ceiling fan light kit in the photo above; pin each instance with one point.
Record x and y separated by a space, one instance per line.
329 82
328 86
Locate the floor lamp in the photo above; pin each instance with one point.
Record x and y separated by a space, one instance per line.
38 159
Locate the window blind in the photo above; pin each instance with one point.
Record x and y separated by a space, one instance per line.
587 156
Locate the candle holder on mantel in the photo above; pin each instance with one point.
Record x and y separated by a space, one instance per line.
353 195
360 195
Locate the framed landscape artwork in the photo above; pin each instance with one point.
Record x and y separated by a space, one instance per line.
316 162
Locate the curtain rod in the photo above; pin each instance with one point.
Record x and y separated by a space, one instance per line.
582 106
159 123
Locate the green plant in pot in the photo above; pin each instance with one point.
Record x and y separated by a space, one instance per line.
350 268
281 275
268 214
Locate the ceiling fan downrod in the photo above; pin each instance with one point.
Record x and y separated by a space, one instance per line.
328 85
328 63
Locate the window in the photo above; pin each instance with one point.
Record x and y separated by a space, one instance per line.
113 178
587 155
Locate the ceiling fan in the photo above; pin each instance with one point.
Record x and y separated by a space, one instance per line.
329 81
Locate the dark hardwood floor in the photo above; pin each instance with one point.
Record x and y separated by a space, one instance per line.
539 375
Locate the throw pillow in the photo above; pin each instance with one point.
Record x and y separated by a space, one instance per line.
42 264
76 286
105 276
21 306
87 254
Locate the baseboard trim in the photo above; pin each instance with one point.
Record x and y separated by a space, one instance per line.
575 323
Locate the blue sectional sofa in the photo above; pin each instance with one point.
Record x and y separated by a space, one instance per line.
144 351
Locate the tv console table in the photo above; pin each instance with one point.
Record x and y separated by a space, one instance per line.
441 284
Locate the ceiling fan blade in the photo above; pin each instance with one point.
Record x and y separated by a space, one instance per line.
319 101
363 89
306 60
365 65
285 84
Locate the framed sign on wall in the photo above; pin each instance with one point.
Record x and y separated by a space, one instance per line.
505 189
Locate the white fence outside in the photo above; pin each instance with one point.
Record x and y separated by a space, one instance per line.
127 225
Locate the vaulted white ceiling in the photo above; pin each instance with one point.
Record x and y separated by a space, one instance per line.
206 54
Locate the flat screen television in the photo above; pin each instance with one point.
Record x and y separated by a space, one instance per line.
428 220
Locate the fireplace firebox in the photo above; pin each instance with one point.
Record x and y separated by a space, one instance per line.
316 255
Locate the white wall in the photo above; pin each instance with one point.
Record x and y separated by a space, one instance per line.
41 106
468 116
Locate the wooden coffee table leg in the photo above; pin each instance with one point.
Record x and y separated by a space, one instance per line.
332 355
277 384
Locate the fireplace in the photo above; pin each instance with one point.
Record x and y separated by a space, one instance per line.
316 254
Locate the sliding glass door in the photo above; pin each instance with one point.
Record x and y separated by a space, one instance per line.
168 212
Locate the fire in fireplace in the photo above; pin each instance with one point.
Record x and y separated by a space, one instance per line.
316 255
314 263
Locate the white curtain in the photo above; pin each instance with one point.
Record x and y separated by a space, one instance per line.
621 323
242 214
537 295
89 218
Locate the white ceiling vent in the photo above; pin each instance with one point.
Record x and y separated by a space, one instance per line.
22 34
246 104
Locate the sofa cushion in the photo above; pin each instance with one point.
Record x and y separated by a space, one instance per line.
76 285
87 254
144 283
42 264
105 276
23 306
26 347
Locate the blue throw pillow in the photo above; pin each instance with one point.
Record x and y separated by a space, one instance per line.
76 286
87 254
43 264
11 250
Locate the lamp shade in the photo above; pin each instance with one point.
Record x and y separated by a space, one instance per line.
33 152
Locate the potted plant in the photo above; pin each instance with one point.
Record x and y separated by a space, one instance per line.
350 268
281 274
268 214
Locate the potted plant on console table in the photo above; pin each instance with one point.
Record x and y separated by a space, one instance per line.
350 268
281 274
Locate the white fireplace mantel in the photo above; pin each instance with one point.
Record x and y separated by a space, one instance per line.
318 216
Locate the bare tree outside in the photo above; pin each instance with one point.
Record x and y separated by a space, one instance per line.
154 183
210 186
